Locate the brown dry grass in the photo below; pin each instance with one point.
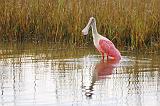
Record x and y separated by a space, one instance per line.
128 23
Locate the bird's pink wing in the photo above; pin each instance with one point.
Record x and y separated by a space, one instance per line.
109 48
104 46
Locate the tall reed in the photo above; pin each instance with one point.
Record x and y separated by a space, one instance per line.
128 23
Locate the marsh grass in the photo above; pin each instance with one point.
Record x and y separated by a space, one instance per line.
128 23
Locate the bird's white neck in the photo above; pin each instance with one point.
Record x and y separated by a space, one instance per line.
94 29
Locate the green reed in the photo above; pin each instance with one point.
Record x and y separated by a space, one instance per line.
128 23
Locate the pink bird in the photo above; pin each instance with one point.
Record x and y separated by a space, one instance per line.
103 45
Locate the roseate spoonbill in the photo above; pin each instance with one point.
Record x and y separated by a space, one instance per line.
103 45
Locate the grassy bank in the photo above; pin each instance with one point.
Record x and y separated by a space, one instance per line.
128 23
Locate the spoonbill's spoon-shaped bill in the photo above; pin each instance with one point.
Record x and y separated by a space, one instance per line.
86 29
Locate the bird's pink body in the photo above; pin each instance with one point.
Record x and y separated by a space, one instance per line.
108 48
103 45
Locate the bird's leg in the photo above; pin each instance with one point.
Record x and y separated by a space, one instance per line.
107 55
102 56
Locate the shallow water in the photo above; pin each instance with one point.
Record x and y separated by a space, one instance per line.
47 76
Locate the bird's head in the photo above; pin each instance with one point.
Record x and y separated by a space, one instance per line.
86 29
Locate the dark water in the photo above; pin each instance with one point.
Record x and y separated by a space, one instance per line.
45 75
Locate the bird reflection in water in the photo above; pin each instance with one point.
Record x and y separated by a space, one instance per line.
101 71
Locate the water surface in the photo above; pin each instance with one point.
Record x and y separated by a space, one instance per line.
44 75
